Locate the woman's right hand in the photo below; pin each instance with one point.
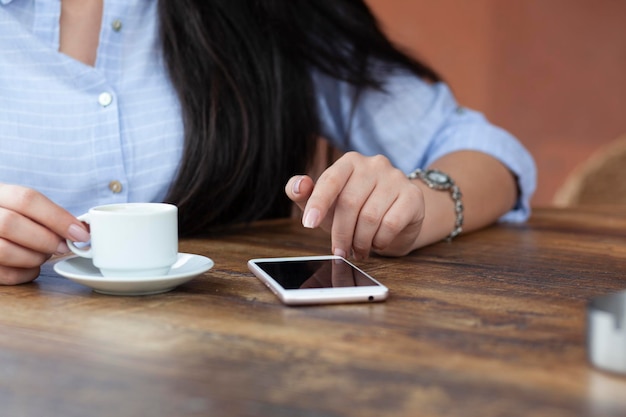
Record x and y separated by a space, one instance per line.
32 229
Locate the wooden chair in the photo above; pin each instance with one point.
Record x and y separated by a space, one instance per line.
600 180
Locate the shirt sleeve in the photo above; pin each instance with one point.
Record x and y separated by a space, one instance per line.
413 123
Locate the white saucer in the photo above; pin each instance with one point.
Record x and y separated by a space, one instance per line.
81 270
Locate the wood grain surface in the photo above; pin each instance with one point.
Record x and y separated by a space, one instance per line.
492 324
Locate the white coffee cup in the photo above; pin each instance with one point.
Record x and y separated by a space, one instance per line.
131 239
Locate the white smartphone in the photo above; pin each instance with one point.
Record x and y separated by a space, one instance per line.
317 280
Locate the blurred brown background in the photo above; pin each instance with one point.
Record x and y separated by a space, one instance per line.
552 72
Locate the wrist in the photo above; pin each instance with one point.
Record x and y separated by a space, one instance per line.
437 180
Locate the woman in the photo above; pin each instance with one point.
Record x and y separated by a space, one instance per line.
215 105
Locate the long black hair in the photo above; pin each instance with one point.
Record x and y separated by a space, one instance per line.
242 71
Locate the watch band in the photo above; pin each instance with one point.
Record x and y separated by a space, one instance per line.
438 180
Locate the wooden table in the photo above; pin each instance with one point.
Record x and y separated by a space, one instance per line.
492 324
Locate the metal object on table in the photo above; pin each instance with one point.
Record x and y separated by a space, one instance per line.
606 332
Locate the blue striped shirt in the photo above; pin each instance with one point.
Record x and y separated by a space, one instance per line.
112 133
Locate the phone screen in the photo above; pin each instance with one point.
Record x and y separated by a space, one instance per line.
318 273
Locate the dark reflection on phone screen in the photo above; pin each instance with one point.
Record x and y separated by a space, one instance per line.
316 274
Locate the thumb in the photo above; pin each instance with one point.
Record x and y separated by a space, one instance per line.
299 189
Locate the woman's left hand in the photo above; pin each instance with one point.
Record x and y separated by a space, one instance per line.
365 203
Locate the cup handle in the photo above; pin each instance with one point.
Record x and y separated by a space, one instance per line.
85 253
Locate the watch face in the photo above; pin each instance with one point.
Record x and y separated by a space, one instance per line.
438 177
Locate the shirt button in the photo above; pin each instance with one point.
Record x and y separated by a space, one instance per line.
105 99
116 25
115 186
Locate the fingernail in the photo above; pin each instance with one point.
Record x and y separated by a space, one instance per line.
62 249
340 252
310 218
296 185
78 234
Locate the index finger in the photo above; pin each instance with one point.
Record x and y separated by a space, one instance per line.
325 193
37 207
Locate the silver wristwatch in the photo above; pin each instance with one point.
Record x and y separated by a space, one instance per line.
438 180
